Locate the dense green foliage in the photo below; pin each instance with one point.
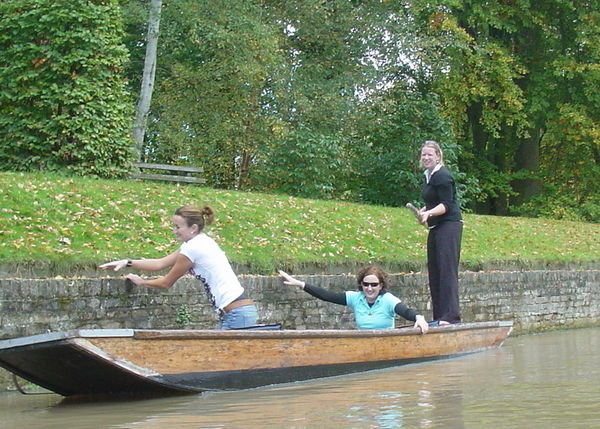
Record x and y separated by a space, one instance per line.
64 223
63 103
283 96
519 90
332 99
327 100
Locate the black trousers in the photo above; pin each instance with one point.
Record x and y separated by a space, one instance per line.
443 257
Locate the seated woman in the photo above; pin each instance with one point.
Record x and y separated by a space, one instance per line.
373 306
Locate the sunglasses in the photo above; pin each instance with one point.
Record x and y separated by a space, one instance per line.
369 284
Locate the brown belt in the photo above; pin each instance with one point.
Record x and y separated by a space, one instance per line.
236 304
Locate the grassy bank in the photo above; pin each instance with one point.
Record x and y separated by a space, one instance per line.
65 223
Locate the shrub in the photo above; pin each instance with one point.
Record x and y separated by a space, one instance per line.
63 103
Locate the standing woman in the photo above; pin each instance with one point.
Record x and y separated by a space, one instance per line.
441 214
202 257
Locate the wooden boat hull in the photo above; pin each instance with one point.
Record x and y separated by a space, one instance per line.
97 361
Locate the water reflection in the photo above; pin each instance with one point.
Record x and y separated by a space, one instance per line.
536 381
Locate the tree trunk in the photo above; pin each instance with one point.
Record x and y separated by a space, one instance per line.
143 107
528 159
480 142
244 170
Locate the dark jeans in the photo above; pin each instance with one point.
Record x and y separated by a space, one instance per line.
443 256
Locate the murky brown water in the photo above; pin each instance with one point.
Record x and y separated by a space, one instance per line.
544 381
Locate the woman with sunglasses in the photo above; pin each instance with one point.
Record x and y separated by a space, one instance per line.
373 306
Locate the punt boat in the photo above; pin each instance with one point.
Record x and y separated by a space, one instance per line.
162 362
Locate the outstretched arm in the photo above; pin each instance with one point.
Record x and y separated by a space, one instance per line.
142 264
181 267
317 292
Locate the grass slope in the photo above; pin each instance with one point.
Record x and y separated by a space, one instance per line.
64 222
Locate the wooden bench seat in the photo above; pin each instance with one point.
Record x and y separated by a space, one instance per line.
176 173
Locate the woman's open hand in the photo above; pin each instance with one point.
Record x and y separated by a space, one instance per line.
289 280
422 324
114 265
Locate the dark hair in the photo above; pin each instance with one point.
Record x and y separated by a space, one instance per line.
196 216
376 271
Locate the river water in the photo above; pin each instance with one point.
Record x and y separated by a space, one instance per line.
545 381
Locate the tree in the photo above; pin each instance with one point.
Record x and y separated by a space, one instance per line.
506 83
211 100
351 83
143 107
263 94
64 104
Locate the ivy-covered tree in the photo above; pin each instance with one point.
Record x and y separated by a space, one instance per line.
63 103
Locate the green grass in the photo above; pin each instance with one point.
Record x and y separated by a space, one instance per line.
67 223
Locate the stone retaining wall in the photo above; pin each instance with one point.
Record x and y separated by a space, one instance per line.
534 300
